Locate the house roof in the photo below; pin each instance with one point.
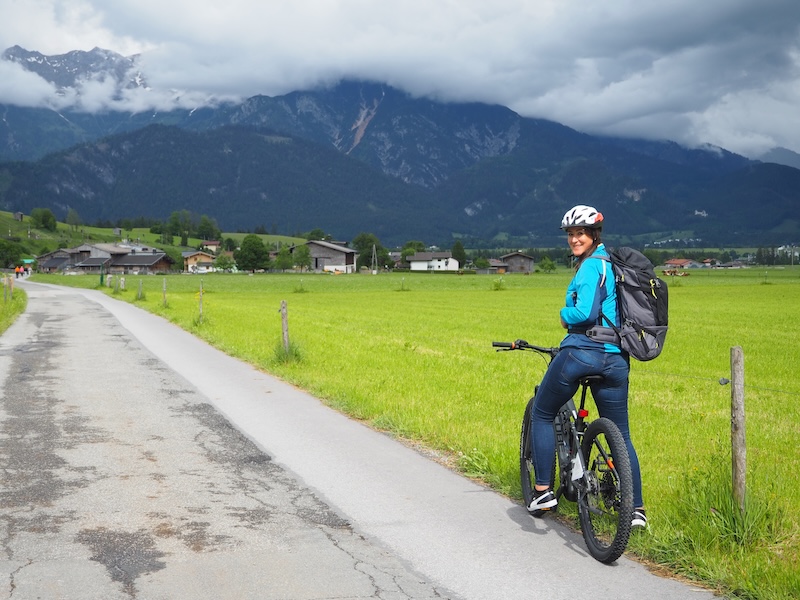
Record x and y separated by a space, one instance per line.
189 253
679 262
110 248
141 259
331 246
60 252
53 263
517 253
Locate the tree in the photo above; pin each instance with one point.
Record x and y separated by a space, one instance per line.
654 256
284 259
410 248
10 253
459 253
252 254
181 223
547 265
363 244
302 257
224 262
317 234
229 244
208 229
73 219
43 218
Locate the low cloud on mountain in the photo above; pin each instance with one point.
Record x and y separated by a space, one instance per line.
725 72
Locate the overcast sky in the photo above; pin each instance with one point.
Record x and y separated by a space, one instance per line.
724 72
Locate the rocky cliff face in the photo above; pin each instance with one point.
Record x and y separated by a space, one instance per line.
71 69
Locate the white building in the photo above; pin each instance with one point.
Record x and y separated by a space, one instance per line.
433 261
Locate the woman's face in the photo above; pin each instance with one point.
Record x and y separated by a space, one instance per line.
579 240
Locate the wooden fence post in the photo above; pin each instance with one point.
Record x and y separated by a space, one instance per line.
285 325
164 292
738 439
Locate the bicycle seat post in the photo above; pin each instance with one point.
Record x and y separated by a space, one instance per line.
586 382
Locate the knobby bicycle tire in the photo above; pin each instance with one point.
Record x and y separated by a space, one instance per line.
605 506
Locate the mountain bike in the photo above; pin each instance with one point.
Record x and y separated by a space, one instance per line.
592 464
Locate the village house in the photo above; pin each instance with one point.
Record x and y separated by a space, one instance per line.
52 262
682 263
495 267
105 258
518 262
433 261
333 257
212 246
197 261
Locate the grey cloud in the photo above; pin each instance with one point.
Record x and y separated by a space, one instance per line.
694 71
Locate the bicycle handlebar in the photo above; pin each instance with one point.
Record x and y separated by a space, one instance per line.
523 345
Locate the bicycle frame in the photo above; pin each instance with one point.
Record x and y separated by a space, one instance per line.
570 426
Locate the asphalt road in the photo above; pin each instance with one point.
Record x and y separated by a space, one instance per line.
139 462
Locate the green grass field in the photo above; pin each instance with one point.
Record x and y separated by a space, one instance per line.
13 302
411 354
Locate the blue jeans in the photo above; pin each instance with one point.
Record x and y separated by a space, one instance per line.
560 383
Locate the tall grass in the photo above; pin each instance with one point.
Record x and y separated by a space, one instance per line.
420 365
12 303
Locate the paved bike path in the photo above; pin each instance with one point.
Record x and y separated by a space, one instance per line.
466 539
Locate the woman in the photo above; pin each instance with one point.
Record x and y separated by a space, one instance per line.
591 291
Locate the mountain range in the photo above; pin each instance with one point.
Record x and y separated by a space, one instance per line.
365 157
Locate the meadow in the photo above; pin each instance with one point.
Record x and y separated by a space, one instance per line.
14 302
410 354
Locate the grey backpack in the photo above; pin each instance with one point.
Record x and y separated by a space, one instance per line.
642 305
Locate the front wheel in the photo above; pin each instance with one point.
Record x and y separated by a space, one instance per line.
605 503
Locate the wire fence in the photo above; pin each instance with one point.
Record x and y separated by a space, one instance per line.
720 381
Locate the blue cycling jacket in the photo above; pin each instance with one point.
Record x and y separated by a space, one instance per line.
585 297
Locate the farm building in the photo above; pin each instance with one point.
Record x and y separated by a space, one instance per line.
332 256
518 262
108 258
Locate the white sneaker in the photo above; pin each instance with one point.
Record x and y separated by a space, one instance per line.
544 501
639 518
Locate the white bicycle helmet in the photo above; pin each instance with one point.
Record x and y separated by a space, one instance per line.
582 216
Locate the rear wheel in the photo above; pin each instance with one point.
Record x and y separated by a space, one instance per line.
605 505
526 472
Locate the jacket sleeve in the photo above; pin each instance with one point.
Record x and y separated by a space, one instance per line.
585 295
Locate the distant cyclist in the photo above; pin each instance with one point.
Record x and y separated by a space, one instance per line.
591 289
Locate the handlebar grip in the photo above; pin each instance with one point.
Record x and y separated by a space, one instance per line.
502 345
